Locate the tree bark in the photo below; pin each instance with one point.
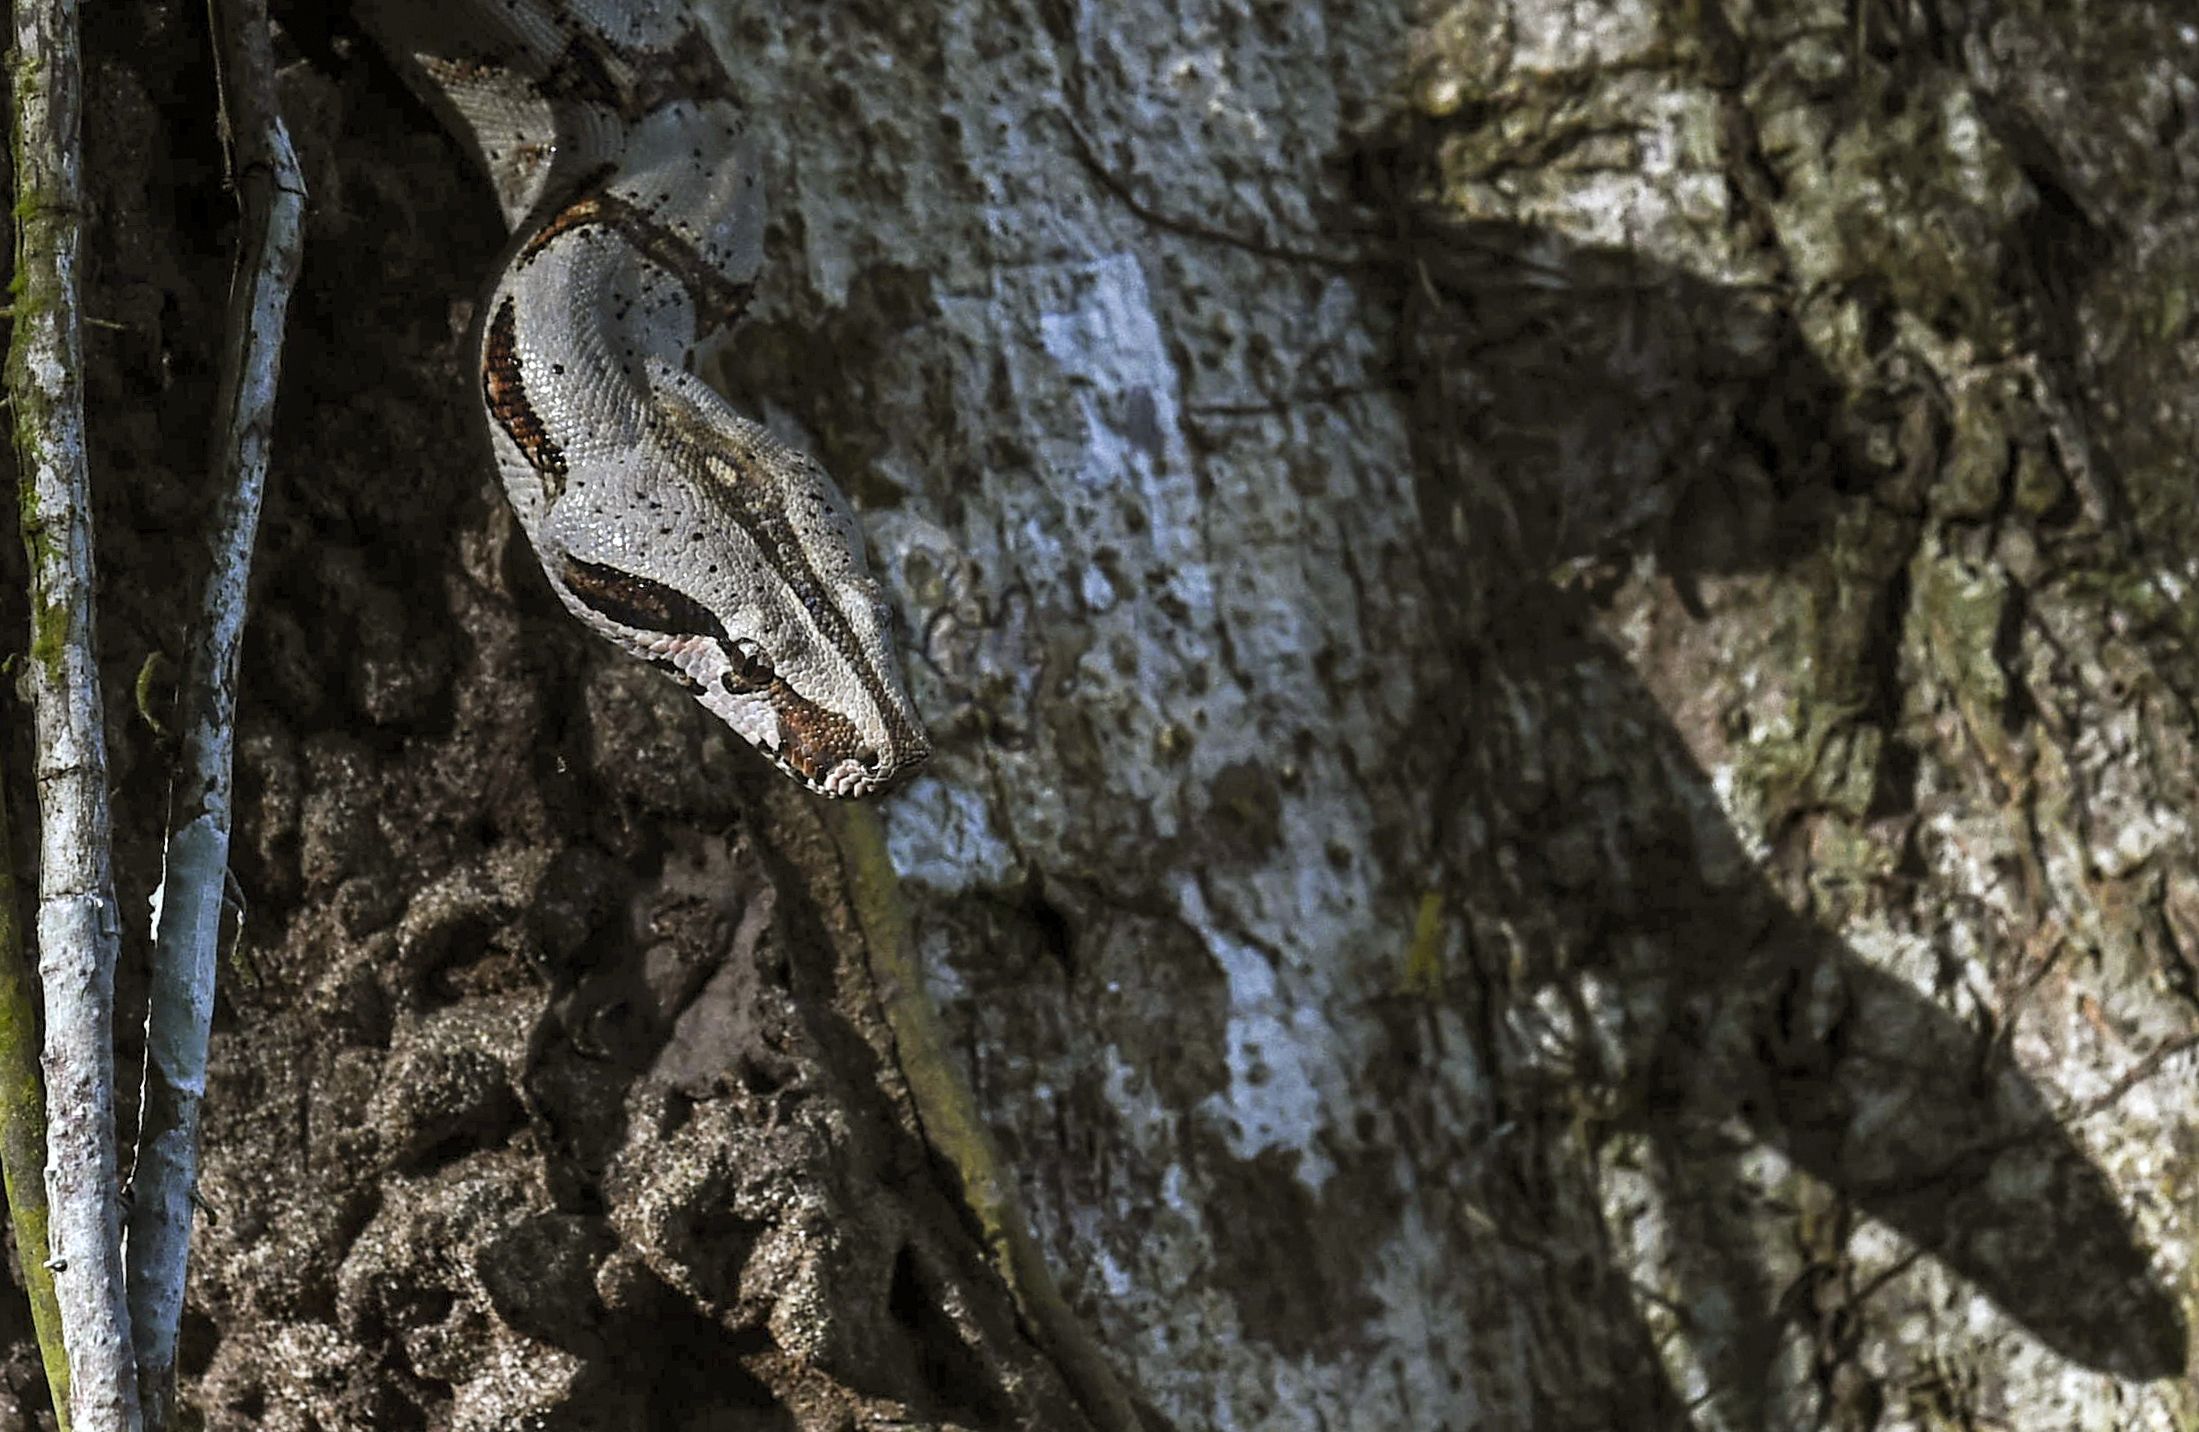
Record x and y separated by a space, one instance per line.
187 923
1562 644
77 924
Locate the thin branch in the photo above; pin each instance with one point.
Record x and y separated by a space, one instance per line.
187 927
78 927
23 1132
952 1124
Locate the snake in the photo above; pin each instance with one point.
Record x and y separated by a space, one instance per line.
688 535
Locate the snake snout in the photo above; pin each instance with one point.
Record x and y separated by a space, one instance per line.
867 770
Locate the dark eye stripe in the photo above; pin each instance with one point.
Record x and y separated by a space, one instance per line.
767 526
638 602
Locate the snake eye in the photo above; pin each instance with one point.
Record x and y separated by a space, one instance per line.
748 669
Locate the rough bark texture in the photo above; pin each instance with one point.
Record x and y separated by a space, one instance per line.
1563 641
187 925
77 927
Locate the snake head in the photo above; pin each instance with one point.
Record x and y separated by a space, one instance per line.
731 561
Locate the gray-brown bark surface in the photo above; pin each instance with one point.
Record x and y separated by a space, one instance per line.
1563 646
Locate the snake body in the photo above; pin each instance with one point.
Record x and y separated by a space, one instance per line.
664 520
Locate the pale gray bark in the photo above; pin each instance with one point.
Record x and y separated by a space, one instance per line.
1560 635
1638 480
77 926
187 925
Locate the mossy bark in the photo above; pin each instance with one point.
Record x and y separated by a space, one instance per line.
23 1134
77 924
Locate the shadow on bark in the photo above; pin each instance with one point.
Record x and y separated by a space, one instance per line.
1703 1006
1635 970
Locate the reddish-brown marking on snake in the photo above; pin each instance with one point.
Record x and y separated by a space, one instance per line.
634 600
718 300
814 739
506 396
589 208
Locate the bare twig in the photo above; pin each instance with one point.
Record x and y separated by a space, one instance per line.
77 923
23 1132
187 927
951 1122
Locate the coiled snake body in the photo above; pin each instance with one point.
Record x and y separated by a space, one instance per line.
664 520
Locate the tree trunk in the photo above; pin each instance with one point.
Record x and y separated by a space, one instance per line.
1562 642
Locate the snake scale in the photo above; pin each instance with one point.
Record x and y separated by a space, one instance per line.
664 520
